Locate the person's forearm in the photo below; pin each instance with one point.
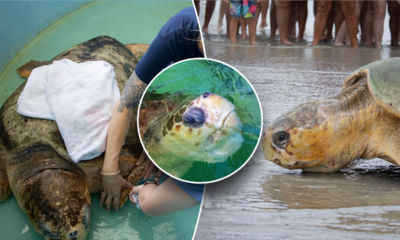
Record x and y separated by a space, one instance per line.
119 124
117 131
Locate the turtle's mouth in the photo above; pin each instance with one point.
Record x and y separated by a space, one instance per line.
230 123
225 119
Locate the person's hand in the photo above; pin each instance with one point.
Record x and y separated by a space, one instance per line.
112 189
135 190
150 167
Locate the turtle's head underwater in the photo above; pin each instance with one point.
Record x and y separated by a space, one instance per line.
205 128
362 121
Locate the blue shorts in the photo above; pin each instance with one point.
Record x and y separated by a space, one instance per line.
194 190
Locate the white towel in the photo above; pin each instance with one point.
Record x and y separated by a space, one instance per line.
79 97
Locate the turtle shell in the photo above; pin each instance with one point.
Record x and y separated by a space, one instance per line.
18 133
383 79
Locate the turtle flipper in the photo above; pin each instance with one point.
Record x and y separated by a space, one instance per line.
138 49
26 69
5 189
57 203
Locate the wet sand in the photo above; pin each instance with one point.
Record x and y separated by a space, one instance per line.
265 201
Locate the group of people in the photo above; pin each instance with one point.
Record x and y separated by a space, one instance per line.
349 17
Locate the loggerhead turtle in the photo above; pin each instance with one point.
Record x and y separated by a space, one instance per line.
49 187
325 135
206 128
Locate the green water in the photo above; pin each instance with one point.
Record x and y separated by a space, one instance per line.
128 223
193 78
128 22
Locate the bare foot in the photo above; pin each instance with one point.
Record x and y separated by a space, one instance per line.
219 27
338 44
368 43
300 39
254 43
286 42
262 25
205 30
244 36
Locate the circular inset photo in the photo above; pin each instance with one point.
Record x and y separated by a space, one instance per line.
200 120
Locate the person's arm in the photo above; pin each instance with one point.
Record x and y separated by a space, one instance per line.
164 199
117 132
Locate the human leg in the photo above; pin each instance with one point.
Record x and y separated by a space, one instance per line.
228 19
235 12
210 6
320 20
249 12
292 13
329 23
339 17
368 23
349 11
380 12
282 10
197 6
264 10
272 17
303 12
222 11
233 28
341 35
243 27
361 20
394 10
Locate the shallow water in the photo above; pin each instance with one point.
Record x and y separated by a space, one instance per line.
265 201
121 21
128 223
191 79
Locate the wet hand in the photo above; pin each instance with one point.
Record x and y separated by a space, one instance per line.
135 190
112 189
150 167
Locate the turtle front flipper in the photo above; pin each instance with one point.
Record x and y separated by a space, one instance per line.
138 49
53 192
5 190
26 69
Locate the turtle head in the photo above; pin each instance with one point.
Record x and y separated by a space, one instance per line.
302 139
208 125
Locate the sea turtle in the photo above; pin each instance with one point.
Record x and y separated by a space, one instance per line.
325 135
181 132
49 187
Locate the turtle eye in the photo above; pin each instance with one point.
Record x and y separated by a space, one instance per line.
194 117
281 139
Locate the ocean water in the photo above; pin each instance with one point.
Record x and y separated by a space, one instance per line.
190 79
128 22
